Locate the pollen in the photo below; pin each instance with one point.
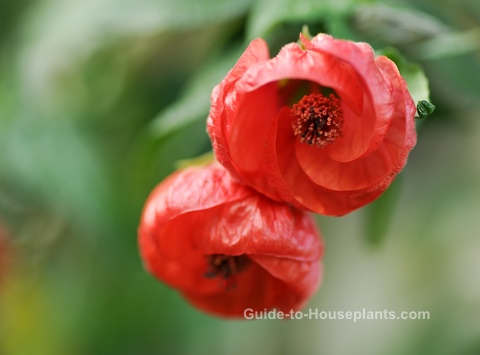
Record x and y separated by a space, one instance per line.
317 120
226 267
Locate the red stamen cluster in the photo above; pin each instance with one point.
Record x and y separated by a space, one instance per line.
317 120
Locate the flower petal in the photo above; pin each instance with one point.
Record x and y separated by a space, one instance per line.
385 160
303 191
218 121
256 113
295 63
259 146
255 288
361 57
357 134
267 179
301 278
257 225
167 213
179 232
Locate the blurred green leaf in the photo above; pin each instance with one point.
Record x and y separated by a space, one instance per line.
417 33
447 45
382 25
281 21
99 59
379 214
194 104
57 163
85 24
417 82
10 11
153 157
179 131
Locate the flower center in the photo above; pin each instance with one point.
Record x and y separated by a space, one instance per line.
226 267
317 120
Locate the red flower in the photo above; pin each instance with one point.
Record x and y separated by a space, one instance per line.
227 248
325 127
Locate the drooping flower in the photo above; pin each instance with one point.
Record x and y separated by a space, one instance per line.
225 247
325 126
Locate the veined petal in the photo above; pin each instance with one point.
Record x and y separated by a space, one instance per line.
249 131
208 250
218 122
257 225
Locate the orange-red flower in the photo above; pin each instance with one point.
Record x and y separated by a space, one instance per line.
227 248
325 125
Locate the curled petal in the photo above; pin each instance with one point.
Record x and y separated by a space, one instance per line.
223 99
303 191
361 57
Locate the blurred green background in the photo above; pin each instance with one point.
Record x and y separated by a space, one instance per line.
100 98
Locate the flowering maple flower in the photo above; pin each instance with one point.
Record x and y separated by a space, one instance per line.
227 248
324 125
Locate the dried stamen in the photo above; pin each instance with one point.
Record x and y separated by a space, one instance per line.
317 120
226 267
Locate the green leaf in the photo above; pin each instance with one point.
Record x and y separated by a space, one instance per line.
379 214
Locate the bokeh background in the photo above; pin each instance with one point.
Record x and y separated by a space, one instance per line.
100 98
